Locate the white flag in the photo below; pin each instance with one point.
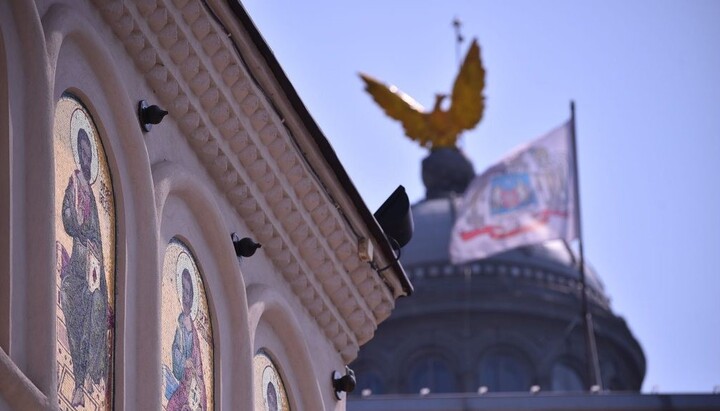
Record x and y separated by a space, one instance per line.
526 198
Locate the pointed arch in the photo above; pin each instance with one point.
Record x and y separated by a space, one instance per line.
186 332
276 330
85 259
187 210
79 62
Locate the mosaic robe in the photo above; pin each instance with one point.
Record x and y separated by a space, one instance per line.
83 288
187 369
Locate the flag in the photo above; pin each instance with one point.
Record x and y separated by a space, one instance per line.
526 198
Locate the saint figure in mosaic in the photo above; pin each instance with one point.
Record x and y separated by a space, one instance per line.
85 315
270 392
188 376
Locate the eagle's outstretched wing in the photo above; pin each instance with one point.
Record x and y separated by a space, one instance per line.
401 107
468 102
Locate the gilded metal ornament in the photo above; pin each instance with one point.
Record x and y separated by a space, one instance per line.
437 128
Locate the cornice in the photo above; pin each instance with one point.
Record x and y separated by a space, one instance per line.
553 280
190 62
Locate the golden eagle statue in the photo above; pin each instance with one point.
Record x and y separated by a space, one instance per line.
437 128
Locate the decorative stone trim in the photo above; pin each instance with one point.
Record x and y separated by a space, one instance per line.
556 280
193 67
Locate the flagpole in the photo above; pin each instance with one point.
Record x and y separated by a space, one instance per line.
594 378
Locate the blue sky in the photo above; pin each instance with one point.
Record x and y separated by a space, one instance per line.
645 76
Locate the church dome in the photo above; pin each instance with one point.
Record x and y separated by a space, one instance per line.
504 323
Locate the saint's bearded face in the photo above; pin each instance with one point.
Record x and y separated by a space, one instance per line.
84 153
187 292
272 400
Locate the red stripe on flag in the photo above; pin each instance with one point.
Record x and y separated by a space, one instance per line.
497 233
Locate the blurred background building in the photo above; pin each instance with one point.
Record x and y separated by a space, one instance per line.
504 323
504 332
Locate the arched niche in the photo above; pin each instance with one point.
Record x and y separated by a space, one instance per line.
85 244
186 334
187 211
370 377
270 392
82 64
431 368
565 376
277 332
504 368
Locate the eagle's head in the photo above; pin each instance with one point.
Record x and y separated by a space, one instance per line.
439 98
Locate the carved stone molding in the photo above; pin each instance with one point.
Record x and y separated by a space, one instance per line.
190 62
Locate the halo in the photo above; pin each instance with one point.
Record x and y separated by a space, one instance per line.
184 261
79 120
269 375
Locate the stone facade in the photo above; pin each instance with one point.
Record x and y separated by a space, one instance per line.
236 153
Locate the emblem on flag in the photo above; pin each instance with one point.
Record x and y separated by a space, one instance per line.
510 192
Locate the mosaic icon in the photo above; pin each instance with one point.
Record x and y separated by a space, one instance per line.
270 394
187 344
85 260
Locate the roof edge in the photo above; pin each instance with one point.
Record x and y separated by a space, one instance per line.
324 146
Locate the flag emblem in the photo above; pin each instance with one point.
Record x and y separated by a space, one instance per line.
510 192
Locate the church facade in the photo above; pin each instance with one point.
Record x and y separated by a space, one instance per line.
175 230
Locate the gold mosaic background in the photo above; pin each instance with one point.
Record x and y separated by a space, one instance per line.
90 299
265 374
184 382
